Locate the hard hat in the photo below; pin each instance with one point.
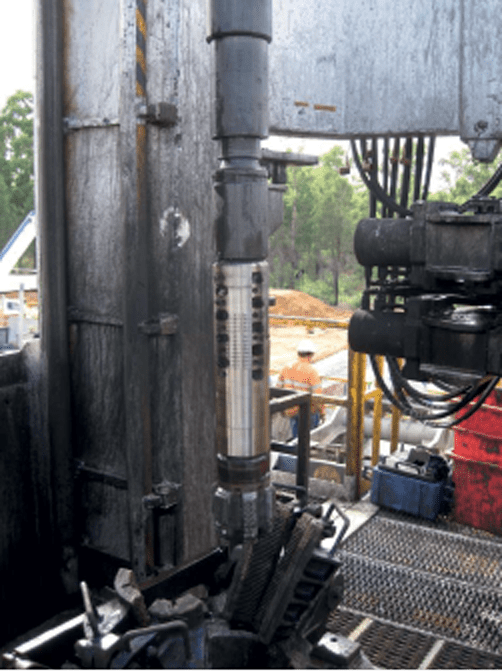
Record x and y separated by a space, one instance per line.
306 347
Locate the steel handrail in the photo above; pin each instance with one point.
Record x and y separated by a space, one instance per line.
357 397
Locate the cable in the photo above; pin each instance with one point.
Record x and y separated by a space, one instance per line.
412 391
388 198
428 172
374 186
394 170
419 168
374 171
419 412
406 160
385 172
478 403
490 185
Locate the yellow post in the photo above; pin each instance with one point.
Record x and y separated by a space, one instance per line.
394 434
355 424
377 416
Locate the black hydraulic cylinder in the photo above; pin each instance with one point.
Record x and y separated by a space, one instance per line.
377 333
383 242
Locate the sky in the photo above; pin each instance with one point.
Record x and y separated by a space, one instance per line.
17 48
17 54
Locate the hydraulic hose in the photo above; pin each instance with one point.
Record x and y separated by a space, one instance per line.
388 196
398 399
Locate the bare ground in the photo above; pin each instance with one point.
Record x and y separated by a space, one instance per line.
284 337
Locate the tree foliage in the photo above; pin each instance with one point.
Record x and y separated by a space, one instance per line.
463 177
16 163
312 250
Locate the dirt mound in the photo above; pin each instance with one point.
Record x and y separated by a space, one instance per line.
285 335
294 302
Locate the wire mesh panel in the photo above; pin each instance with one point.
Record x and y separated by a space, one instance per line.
392 647
426 579
455 657
443 553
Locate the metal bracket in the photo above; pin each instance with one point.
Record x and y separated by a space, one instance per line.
99 476
165 496
160 114
166 324
276 163
75 124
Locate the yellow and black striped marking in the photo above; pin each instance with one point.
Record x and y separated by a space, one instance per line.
141 48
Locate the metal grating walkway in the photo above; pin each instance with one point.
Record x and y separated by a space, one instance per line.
439 591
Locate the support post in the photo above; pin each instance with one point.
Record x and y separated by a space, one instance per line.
302 472
377 417
396 416
133 139
52 264
355 425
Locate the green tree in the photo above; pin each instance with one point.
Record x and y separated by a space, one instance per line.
464 177
333 218
292 239
313 248
16 163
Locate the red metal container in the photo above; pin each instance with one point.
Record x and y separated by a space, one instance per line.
480 436
478 493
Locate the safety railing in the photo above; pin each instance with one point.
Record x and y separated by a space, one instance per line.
358 397
280 400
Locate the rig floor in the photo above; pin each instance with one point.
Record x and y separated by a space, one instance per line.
421 594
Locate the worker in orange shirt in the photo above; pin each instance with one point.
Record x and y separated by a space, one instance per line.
303 377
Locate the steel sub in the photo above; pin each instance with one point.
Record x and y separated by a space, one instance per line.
239 33
243 502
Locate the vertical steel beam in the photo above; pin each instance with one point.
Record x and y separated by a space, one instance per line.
50 208
355 429
133 140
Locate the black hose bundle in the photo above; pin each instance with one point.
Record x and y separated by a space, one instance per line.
431 408
387 193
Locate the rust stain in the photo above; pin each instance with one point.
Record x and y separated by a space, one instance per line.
301 103
475 564
427 617
325 108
